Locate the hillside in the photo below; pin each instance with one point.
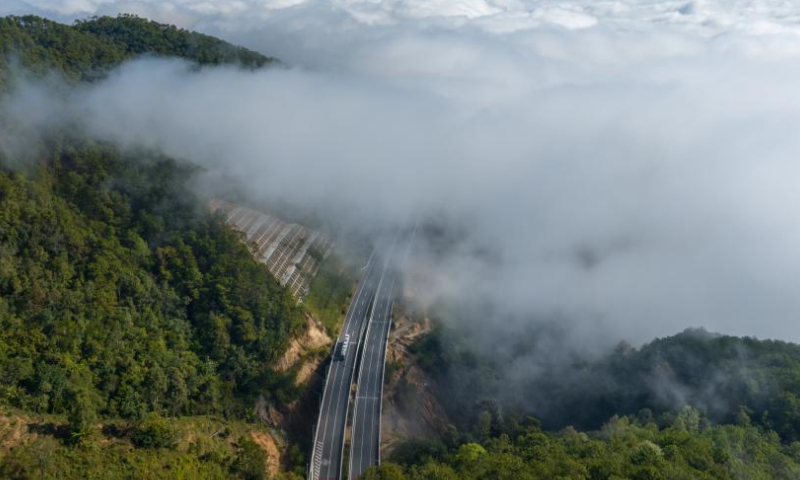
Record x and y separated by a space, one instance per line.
132 320
120 298
625 448
720 375
88 49
118 293
198 447
292 253
140 338
695 405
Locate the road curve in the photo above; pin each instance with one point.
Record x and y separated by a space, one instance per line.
329 437
366 430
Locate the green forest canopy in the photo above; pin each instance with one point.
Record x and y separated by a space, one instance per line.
88 49
120 297
119 294
135 327
717 374
684 448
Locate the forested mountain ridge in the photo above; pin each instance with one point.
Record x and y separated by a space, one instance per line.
720 375
695 405
101 247
117 292
125 307
89 48
136 331
684 448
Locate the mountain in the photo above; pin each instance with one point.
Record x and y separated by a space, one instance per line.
88 49
138 334
130 317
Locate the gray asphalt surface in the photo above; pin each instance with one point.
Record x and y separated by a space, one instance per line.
326 460
365 438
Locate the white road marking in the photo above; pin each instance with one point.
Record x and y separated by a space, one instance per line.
315 469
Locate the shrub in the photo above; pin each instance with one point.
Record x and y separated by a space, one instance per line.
251 461
154 432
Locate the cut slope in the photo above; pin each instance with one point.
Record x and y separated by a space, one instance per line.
291 252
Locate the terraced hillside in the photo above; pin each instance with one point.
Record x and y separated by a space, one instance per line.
291 252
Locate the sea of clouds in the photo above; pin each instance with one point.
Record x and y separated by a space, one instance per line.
627 168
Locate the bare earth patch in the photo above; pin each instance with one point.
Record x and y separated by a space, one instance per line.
267 443
301 348
14 431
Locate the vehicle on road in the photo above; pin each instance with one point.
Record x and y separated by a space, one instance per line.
341 348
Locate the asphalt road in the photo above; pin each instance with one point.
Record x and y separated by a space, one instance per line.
366 429
365 438
328 449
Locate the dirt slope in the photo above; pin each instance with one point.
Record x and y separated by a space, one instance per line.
410 408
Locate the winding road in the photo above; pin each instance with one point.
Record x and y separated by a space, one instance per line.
367 323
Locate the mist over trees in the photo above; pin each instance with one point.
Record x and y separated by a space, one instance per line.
696 405
121 300
721 376
88 49
117 293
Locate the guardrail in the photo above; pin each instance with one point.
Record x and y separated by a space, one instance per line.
316 453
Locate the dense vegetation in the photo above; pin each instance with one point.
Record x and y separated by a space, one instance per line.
692 406
679 447
118 295
130 318
136 331
189 448
717 374
88 49
330 292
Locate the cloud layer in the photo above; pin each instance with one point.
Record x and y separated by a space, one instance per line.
626 167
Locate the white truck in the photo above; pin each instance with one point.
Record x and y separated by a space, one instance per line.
341 348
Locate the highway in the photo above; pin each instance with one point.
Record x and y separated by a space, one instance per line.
329 436
365 439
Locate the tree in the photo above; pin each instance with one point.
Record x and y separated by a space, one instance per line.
387 471
433 471
251 461
82 415
154 432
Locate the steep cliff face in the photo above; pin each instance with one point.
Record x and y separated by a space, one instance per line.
304 358
306 352
410 407
271 448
